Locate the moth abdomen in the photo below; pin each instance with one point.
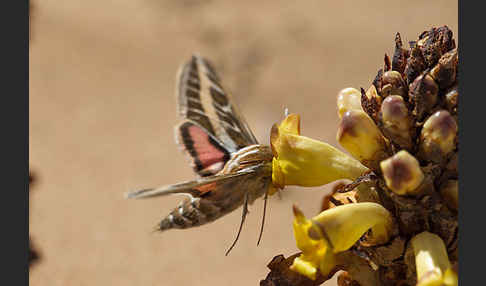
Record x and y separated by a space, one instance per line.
190 213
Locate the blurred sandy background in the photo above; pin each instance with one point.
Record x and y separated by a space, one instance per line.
102 111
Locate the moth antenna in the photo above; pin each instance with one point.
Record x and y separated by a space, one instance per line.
263 219
243 217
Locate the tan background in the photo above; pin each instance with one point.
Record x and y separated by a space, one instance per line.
102 111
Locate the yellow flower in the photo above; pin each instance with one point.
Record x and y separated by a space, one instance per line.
302 161
431 261
335 230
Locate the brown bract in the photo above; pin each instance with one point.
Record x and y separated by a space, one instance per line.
400 56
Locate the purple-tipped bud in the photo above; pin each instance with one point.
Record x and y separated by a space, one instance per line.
402 173
438 136
359 135
396 121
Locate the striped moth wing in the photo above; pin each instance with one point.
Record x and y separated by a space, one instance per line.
212 128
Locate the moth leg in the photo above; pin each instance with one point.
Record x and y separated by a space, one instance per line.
264 212
243 217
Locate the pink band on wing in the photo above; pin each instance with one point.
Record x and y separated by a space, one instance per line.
207 153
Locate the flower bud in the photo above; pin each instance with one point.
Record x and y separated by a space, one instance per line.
348 98
431 260
402 173
359 135
396 121
445 71
393 83
438 136
451 100
424 93
450 193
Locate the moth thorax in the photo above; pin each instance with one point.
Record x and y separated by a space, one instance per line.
247 157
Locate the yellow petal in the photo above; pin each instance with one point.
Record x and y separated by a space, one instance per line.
307 162
345 224
313 250
302 161
304 267
336 230
290 125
